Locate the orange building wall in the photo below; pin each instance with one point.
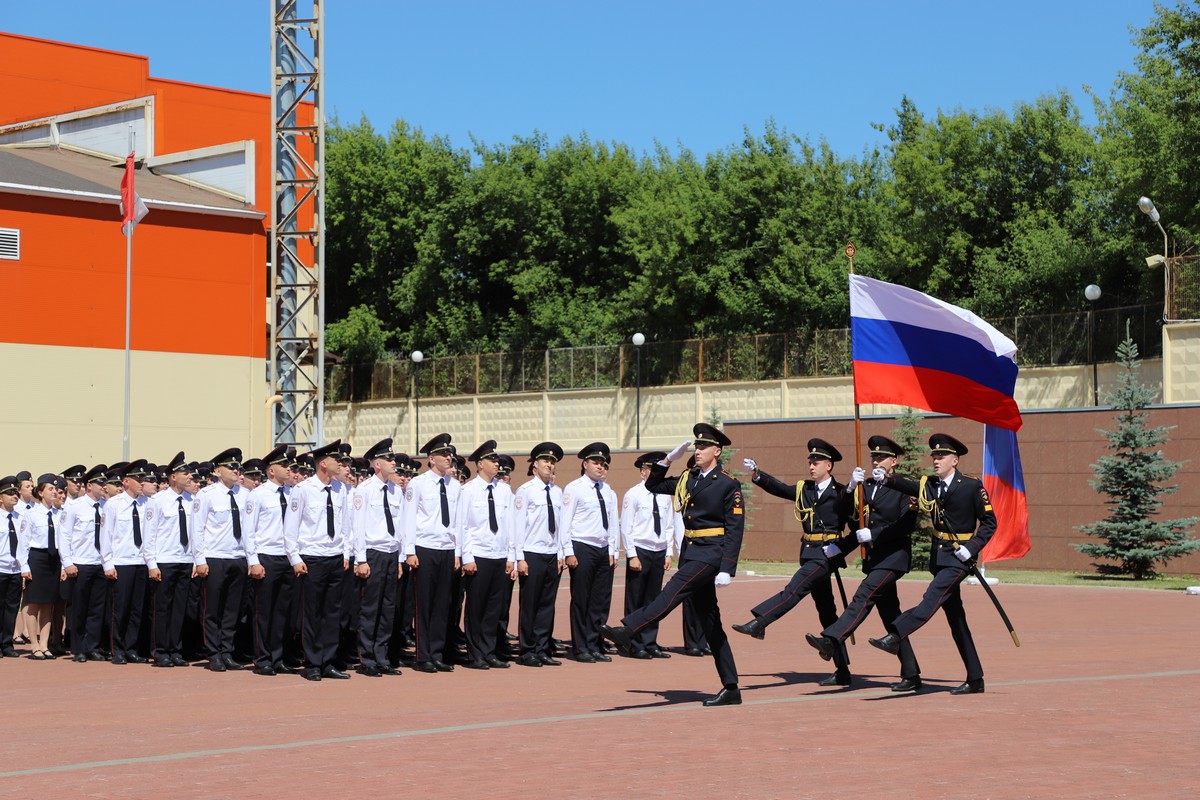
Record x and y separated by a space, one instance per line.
199 281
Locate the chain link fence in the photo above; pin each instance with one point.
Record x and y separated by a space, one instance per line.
1045 340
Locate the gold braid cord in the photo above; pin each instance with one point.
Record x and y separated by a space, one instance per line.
682 496
803 513
926 504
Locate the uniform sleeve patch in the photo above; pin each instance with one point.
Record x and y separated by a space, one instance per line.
149 514
987 507
24 523
249 506
519 501
358 502
566 499
738 511
408 494
295 505
195 506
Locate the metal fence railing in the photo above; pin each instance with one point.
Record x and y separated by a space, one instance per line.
1044 340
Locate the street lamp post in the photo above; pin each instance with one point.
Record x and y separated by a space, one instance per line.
638 340
1146 205
1092 293
417 358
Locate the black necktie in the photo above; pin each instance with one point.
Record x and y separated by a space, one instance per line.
97 530
445 503
492 523
282 505
235 517
387 513
657 518
137 527
183 540
329 511
603 510
12 537
50 530
550 511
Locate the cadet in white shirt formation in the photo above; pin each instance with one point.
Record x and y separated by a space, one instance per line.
316 563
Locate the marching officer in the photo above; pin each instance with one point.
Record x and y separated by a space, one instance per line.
216 527
591 528
710 501
821 510
376 519
539 551
649 527
890 517
963 522
169 548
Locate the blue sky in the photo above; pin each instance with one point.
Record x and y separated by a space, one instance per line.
691 73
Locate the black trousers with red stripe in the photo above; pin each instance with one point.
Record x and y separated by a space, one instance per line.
693 580
878 591
170 603
944 592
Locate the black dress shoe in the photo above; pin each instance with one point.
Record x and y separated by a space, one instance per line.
605 647
96 655
335 673
642 654
312 674
369 671
164 663
618 634
888 644
822 644
496 663
230 663
478 663
548 661
907 685
119 658
658 652
694 652
754 627
529 660
585 658
598 656
79 658
725 697
178 661
216 665
425 666
388 669
836 679
11 652
970 687
442 666
134 658
265 669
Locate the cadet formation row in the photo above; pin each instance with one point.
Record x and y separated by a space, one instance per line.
317 562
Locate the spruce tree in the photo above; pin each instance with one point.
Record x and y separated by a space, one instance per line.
911 435
1134 478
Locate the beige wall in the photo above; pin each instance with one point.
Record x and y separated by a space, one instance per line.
64 405
1181 363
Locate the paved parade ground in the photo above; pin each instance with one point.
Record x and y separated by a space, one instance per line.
1101 700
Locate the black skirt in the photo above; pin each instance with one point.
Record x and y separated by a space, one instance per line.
45 569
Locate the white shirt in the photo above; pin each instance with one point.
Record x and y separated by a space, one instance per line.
116 532
369 519
532 528
10 564
637 522
160 529
78 531
35 524
581 520
262 522
427 529
474 522
211 523
305 530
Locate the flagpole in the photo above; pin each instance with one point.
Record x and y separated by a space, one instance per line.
858 490
128 297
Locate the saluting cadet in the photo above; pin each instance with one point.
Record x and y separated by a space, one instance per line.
890 517
434 553
170 562
216 527
963 522
43 567
649 527
378 540
710 501
267 561
10 565
539 550
821 509
485 521
124 560
318 548
591 528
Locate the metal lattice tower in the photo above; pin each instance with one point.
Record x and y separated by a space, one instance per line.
297 224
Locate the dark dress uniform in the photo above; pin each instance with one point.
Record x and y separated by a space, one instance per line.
713 519
962 516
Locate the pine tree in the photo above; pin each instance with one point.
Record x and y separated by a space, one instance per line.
1134 477
912 436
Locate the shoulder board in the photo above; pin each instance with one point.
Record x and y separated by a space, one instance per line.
972 477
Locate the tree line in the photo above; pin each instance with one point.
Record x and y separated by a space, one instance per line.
531 244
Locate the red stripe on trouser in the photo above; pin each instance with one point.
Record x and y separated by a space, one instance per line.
799 586
866 609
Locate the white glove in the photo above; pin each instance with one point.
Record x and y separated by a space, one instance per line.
864 535
878 474
831 551
750 464
962 554
722 579
856 477
678 452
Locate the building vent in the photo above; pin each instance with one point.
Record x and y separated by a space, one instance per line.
10 244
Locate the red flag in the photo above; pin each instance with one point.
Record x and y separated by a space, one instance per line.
132 207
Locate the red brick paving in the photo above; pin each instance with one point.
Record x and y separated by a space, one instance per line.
1085 708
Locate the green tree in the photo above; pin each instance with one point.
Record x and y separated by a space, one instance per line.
911 435
1133 478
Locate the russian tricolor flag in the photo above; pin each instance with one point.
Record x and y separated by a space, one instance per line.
910 349
913 350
